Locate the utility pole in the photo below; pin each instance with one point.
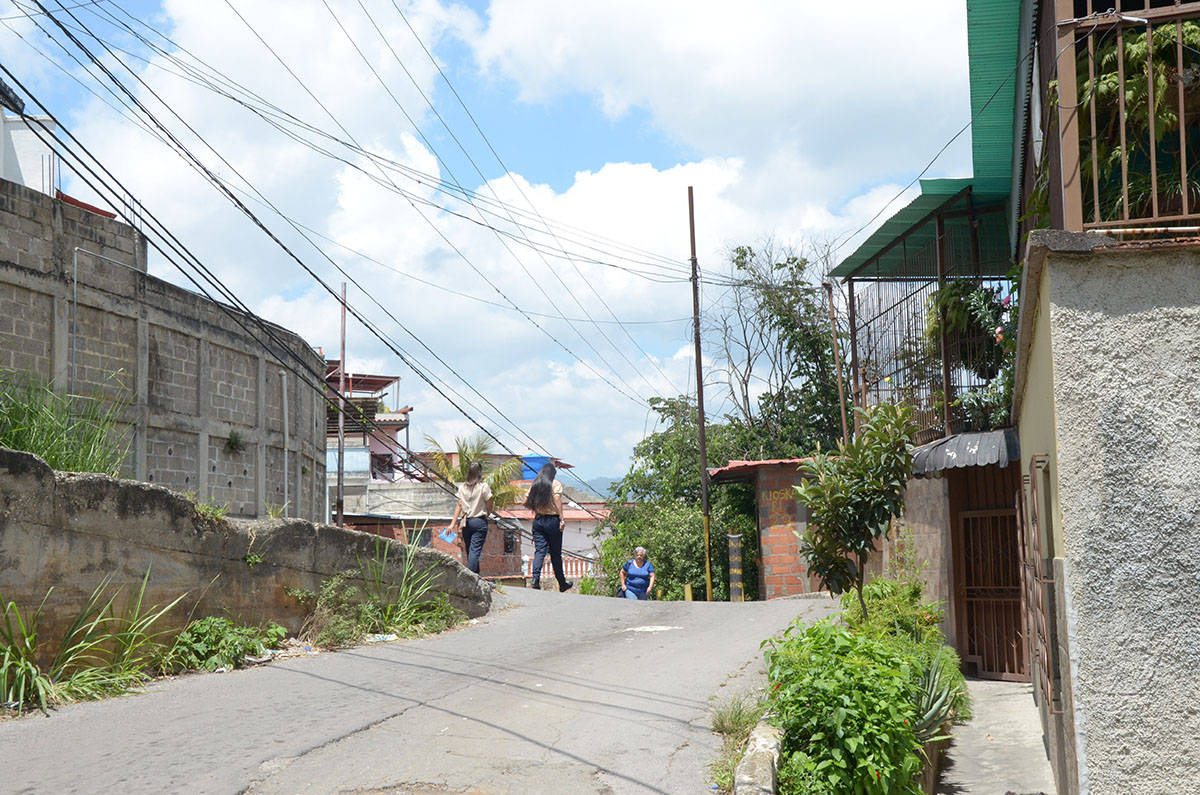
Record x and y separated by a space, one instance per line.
341 480
700 397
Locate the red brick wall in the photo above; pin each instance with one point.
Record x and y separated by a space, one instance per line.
781 570
494 562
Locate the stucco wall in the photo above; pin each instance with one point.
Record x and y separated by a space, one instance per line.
193 377
1124 342
69 531
1036 423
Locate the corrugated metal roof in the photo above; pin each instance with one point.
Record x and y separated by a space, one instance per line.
993 27
737 471
1000 447
992 37
914 221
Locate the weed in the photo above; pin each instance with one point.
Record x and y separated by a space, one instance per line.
212 511
235 443
104 651
733 720
587 586
355 603
277 511
252 559
71 433
216 642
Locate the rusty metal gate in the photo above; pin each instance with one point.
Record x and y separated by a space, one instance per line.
995 637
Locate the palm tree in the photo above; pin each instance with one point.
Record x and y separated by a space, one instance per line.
479 448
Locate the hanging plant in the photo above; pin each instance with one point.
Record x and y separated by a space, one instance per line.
970 313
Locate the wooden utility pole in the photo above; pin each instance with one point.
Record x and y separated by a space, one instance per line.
700 397
341 477
837 360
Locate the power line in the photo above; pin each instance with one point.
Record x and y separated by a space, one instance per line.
371 68
274 116
220 185
508 172
238 312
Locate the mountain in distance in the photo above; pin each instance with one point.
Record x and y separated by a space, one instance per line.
603 486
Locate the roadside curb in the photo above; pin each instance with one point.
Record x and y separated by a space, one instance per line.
755 774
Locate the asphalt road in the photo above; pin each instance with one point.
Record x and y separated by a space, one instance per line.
549 693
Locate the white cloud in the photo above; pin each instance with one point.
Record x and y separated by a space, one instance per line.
793 113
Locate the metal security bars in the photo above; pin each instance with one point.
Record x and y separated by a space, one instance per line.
1128 83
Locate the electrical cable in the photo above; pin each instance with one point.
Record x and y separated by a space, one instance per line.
517 185
429 145
239 311
247 310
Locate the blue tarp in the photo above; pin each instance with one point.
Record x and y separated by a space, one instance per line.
530 464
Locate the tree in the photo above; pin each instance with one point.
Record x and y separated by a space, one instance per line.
853 495
657 506
479 448
777 353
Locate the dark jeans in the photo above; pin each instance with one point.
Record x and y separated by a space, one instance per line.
547 537
474 534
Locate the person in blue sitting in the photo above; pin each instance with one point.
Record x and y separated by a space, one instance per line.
637 576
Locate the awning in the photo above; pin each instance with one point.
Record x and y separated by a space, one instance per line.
1000 447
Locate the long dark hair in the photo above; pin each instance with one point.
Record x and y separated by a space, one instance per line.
474 473
541 493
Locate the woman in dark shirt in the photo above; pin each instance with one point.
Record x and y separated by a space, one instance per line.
545 500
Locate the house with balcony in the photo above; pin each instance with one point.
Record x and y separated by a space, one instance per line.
927 298
1056 496
1105 394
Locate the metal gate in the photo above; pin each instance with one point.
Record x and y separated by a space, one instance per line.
992 577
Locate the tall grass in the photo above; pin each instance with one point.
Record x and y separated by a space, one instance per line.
105 651
352 604
71 433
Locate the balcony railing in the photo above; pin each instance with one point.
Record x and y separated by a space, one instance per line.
899 352
1128 105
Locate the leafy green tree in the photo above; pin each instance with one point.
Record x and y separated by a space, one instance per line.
673 534
478 448
853 495
657 506
777 354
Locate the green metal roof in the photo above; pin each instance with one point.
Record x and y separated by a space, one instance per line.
992 33
912 229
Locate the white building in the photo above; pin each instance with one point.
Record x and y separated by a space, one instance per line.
24 158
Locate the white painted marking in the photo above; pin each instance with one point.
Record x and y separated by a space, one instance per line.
650 628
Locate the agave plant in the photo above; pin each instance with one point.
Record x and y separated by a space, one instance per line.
478 448
935 699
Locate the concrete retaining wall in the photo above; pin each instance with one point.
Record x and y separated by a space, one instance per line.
69 531
194 375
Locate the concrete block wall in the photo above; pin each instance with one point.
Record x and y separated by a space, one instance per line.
69 531
926 525
190 376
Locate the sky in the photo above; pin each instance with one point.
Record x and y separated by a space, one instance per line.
505 183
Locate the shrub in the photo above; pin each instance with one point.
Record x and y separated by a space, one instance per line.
216 642
846 704
899 618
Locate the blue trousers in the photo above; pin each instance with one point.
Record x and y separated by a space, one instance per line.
632 594
474 534
547 538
